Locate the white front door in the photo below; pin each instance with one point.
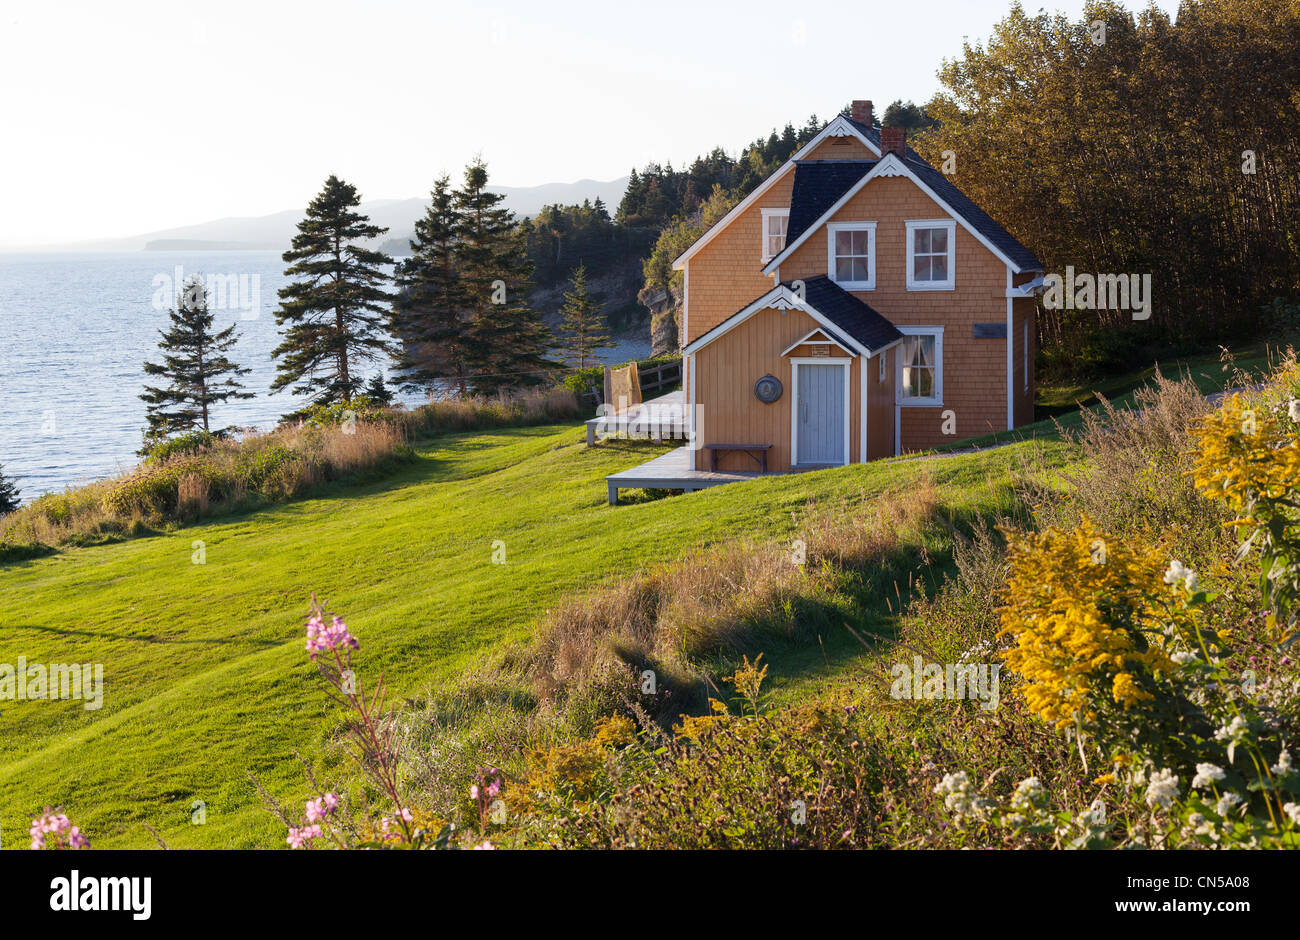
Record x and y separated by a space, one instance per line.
820 414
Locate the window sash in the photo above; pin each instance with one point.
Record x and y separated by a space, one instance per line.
920 368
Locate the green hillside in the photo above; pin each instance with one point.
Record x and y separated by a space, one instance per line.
205 675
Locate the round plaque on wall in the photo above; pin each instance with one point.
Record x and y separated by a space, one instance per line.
767 389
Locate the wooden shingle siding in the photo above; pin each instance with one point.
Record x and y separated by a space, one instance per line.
974 373
728 411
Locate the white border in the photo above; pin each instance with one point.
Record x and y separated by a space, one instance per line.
795 363
1011 355
951 226
870 229
936 400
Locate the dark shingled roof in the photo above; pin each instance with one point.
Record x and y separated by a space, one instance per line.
848 313
872 134
851 316
977 218
817 186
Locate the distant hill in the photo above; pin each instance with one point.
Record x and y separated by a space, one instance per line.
398 215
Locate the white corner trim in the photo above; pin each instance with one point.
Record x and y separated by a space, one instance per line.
847 366
936 400
950 225
863 384
839 127
891 165
898 429
686 305
1011 358
870 229
691 440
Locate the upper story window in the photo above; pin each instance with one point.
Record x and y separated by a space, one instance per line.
851 254
775 223
931 254
920 360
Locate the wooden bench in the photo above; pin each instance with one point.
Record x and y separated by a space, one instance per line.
757 453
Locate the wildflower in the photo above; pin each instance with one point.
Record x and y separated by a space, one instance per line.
319 809
1183 658
1293 410
1029 793
1162 790
322 638
1283 765
301 835
55 830
959 797
1207 774
1234 732
1227 803
1292 810
1094 815
485 844
1198 825
1177 571
473 791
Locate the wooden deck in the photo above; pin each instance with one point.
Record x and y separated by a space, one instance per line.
670 471
656 419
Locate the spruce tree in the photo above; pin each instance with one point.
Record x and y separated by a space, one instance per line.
8 494
194 364
335 313
503 339
427 309
581 324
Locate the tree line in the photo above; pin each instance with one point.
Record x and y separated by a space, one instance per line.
453 318
1130 143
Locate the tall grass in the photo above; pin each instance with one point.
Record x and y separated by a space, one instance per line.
213 475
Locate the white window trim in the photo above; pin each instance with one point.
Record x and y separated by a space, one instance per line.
936 401
795 363
951 226
870 229
767 214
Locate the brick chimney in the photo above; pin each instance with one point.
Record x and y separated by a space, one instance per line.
893 140
861 112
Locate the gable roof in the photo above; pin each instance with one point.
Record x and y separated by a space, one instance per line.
818 185
935 185
872 133
850 321
841 126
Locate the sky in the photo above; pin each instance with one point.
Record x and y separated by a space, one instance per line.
128 117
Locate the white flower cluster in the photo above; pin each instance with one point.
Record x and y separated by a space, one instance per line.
1162 789
959 796
1207 774
1179 572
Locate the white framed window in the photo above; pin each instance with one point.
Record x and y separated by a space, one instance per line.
775 224
881 368
931 254
851 254
920 366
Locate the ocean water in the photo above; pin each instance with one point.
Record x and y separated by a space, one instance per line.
75 329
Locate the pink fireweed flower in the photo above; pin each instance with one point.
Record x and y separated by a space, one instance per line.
485 844
473 791
322 637
57 825
301 835
319 809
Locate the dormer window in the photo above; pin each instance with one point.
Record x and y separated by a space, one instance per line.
851 254
775 224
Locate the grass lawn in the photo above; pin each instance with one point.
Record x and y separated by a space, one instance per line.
205 674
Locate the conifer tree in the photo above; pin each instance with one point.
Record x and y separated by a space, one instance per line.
581 324
335 313
8 494
428 307
194 364
503 339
